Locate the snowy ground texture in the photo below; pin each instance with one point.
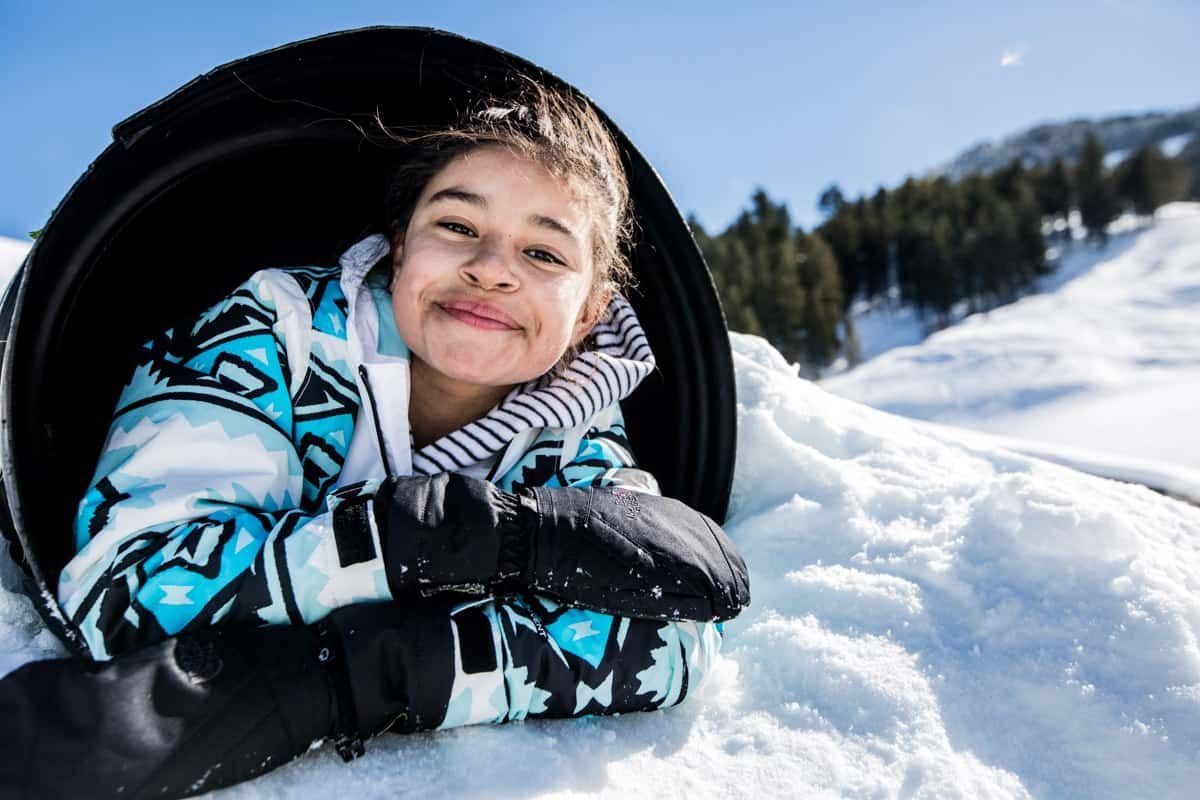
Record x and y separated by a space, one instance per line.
1102 365
930 619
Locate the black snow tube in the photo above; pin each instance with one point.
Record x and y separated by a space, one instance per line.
263 162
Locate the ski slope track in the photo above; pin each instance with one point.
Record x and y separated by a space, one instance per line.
932 618
1100 371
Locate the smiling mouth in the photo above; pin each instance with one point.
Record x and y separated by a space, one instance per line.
474 320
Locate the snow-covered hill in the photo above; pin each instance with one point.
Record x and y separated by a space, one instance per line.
932 616
930 619
1105 365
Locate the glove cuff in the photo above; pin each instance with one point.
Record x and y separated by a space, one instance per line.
517 522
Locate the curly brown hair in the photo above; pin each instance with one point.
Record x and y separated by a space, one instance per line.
556 128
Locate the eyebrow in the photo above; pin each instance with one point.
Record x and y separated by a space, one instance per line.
479 201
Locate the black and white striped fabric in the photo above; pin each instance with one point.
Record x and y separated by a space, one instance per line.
616 358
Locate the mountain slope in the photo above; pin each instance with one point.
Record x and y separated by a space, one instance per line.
1041 144
1107 361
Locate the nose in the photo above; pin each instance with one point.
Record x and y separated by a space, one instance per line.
490 269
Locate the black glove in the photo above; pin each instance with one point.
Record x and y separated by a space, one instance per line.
176 718
208 709
609 549
452 532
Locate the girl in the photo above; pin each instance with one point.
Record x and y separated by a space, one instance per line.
392 494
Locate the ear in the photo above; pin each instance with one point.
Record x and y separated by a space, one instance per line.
397 252
590 314
397 241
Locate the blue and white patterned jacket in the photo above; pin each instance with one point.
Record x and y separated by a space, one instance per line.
237 436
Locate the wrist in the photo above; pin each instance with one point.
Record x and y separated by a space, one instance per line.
517 520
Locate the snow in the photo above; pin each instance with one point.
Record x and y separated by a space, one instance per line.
932 617
1105 362
1173 145
883 324
1113 158
1168 477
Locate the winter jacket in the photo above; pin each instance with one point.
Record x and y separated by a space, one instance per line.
238 438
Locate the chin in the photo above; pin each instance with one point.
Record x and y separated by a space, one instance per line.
482 371
478 377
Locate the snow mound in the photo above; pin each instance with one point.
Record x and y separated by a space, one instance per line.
930 619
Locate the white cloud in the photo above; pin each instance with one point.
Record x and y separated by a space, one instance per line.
1013 56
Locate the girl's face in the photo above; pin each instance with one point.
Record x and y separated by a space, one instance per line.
493 275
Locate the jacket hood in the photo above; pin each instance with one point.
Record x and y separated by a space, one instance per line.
612 362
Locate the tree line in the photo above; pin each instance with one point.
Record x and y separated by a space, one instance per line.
931 243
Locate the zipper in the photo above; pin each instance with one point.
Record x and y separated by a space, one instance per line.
362 373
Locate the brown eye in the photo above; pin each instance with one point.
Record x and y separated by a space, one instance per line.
462 228
549 257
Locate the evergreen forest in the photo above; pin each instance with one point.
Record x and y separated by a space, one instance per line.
931 243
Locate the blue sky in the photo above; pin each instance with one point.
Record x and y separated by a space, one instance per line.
721 98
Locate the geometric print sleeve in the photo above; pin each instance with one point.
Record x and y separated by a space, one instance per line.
207 504
603 457
527 656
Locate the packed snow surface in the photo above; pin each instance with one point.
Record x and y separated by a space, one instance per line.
930 619
1105 361
884 325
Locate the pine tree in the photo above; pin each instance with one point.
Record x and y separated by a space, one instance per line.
831 200
776 282
1094 192
818 275
1009 181
1189 158
841 232
1031 243
930 278
729 265
1149 179
874 218
1054 191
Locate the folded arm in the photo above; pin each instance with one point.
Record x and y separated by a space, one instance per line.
594 598
206 505
608 549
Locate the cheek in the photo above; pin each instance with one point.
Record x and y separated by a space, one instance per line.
405 305
410 281
567 302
